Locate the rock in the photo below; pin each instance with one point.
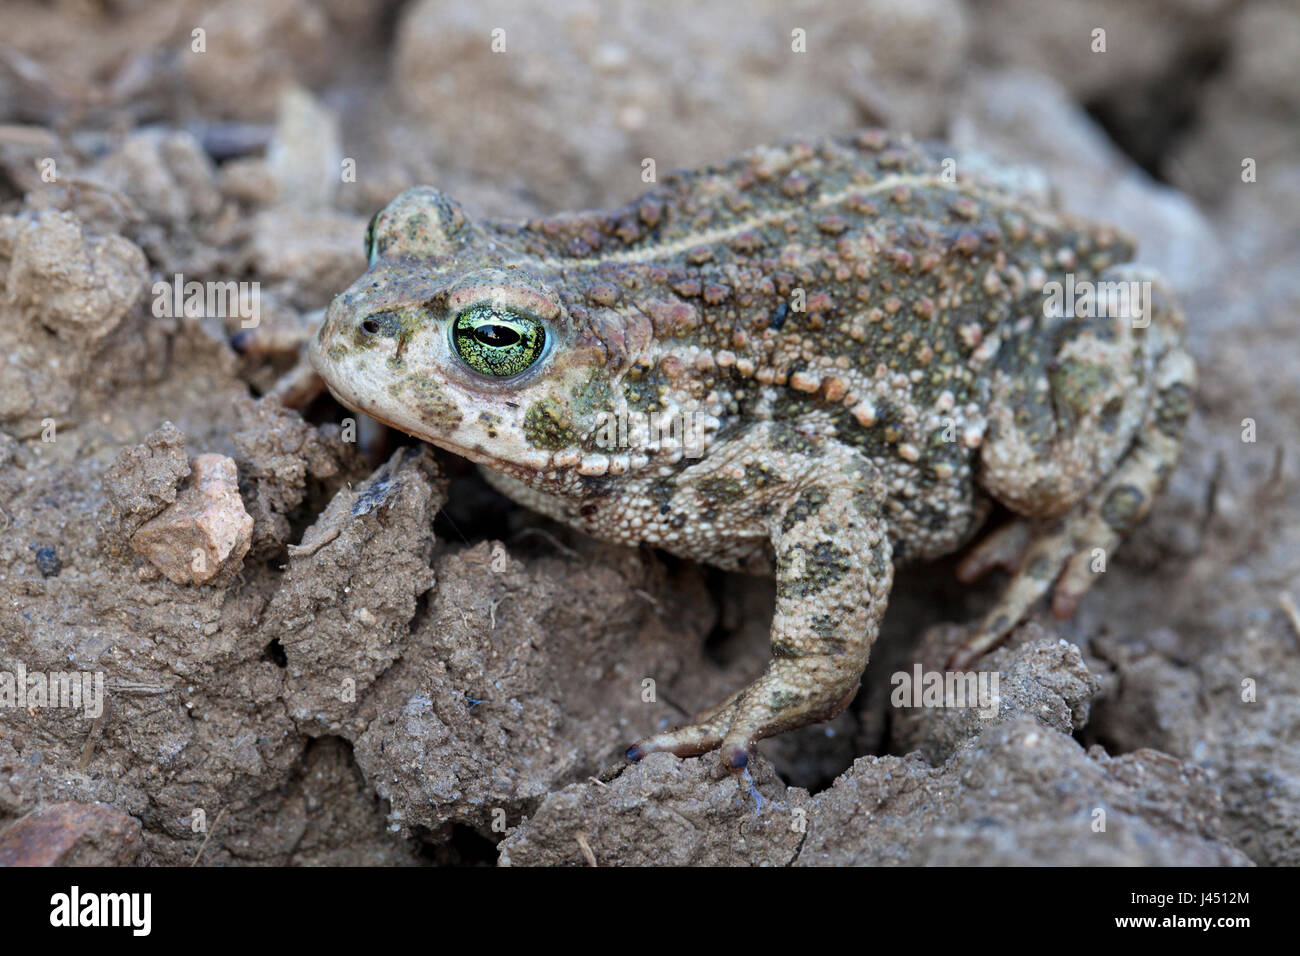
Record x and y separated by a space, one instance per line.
1249 111
344 608
522 676
72 834
76 285
326 815
1057 40
144 478
1024 118
304 157
167 175
604 86
319 250
283 462
907 76
1016 795
47 562
252 52
65 291
1038 676
665 812
249 181
204 531
1224 712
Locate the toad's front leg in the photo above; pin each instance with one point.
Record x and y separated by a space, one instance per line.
833 573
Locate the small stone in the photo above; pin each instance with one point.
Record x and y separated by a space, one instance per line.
47 562
206 529
72 834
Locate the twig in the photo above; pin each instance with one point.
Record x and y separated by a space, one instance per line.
1290 610
563 549
92 738
581 837
211 830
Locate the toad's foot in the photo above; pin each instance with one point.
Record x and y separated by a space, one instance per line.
833 572
1004 548
1067 557
720 728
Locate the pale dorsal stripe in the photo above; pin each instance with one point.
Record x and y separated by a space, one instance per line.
678 247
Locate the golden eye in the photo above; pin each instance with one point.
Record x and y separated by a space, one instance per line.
498 342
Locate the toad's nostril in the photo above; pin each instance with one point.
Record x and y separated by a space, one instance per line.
381 323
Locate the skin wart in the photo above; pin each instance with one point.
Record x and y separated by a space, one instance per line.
856 346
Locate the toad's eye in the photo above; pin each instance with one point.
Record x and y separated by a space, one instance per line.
498 342
371 252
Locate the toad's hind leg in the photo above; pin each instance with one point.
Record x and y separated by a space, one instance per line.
1065 550
833 573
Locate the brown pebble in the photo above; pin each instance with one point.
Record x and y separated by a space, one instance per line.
203 530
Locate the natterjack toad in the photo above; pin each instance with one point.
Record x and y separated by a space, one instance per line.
818 360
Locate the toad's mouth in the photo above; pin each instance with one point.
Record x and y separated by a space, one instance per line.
468 446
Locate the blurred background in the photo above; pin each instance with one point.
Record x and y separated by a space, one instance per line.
552 104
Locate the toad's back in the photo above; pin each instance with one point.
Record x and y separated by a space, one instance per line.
864 286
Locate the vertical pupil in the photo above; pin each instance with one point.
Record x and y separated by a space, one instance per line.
496 335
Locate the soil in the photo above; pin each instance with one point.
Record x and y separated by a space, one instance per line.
392 665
